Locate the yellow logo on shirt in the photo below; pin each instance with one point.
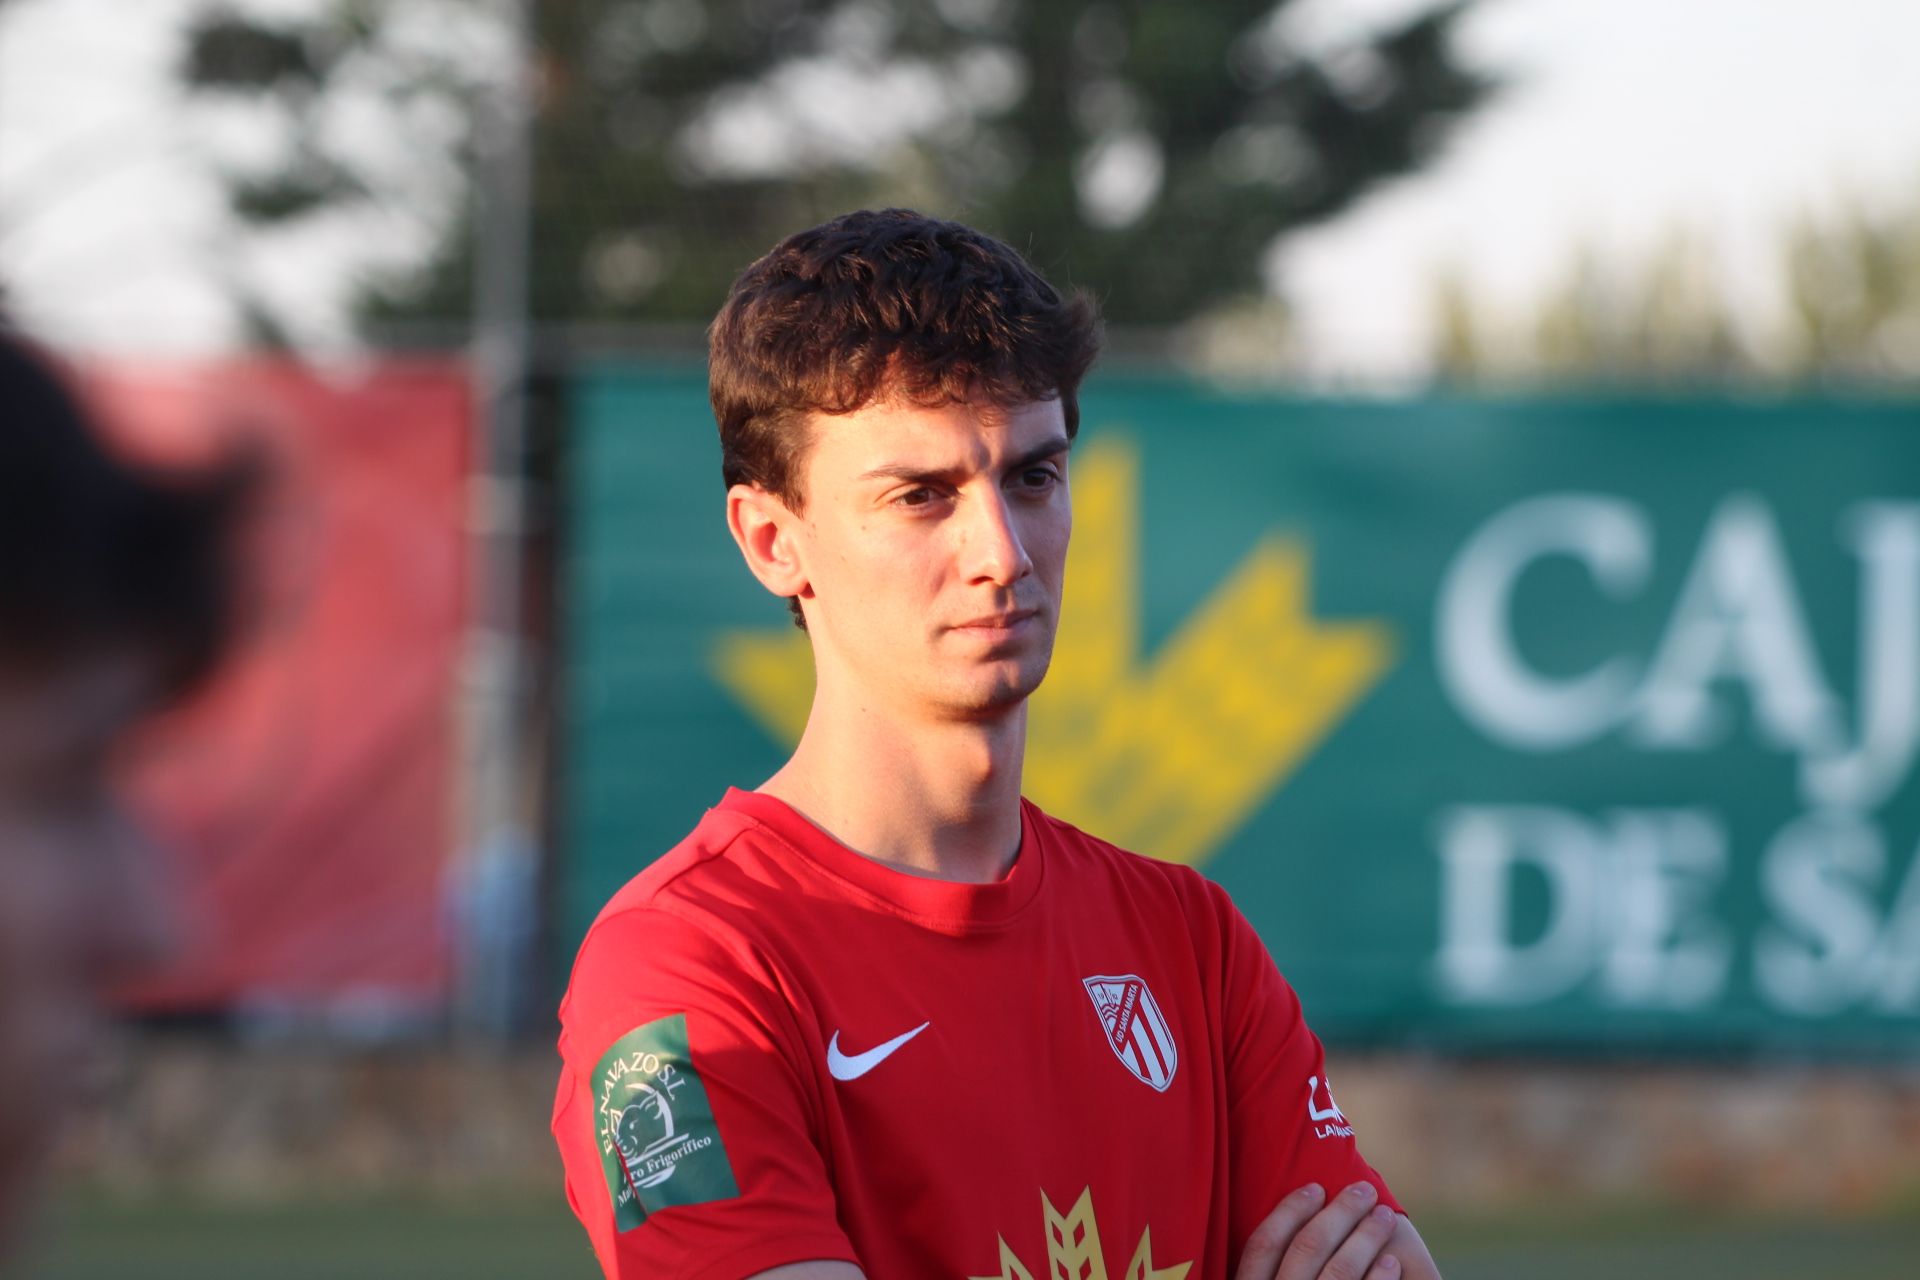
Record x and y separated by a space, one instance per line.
1166 756
1073 1249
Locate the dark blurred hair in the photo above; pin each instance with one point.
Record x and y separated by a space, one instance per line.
99 555
877 304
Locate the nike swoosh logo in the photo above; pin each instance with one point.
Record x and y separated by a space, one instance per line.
852 1068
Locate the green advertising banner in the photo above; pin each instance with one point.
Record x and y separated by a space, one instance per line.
1509 724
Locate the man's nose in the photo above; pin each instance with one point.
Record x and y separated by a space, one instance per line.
994 548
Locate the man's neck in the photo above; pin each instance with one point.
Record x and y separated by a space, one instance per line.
939 799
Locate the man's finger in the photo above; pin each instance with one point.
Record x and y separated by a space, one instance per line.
1315 1243
1270 1239
1355 1259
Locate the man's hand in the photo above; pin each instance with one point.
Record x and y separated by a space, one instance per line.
1351 1237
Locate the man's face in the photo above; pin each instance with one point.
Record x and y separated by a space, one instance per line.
934 543
79 907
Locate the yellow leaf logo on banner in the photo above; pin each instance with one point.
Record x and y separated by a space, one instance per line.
1167 757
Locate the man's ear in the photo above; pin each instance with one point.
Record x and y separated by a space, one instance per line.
769 537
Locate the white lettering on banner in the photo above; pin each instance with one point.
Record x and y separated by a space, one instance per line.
1540 903
1886 537
1481 852
1899 950
1738 618
1628 905
1481 667
1830 949
1629 912
1818 877
1667 948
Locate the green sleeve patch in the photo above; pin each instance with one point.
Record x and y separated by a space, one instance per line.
659 1145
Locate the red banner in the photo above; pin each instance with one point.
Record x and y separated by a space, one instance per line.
306 797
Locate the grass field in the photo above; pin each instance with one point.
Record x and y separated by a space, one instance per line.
498 1239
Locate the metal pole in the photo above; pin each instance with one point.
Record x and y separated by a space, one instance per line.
499 864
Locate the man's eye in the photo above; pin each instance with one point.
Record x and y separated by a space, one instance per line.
1039 478
915 498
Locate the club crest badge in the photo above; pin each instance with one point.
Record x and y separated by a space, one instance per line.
1135 1028
659 1143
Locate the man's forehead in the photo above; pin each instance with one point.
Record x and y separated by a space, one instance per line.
888 433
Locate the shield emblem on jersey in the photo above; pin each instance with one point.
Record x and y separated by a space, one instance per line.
1135 1029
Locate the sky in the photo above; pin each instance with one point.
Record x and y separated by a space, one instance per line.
1621 121
111 239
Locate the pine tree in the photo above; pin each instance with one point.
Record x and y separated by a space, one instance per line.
1151 150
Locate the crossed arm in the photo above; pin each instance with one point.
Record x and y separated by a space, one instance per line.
1348 1237
1306 1237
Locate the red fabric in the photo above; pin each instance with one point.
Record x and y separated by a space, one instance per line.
305 797
771 938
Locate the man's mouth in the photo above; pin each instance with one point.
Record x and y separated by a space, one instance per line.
1001 621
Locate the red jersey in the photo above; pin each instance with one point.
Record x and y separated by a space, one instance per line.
776 1049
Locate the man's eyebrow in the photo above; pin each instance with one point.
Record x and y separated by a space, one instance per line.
906 471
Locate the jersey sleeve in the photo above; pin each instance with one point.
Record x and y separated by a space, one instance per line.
683 1120
1284 1127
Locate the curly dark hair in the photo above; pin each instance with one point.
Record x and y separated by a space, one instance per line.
97 554
876 303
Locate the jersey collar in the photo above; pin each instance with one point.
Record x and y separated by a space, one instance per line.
945 904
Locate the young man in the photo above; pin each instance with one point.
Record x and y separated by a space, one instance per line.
114 598
881 1016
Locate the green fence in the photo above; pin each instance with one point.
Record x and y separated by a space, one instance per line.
1509 724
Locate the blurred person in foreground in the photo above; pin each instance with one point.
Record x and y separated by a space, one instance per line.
115 599
881 1016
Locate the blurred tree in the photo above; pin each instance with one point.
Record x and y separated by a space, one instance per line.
1151 150
1851 286
1663 322
1853 291
1459 343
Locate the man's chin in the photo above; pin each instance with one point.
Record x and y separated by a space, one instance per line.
993 699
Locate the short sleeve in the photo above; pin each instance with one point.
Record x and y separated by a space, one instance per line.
684 1124
1284 1127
